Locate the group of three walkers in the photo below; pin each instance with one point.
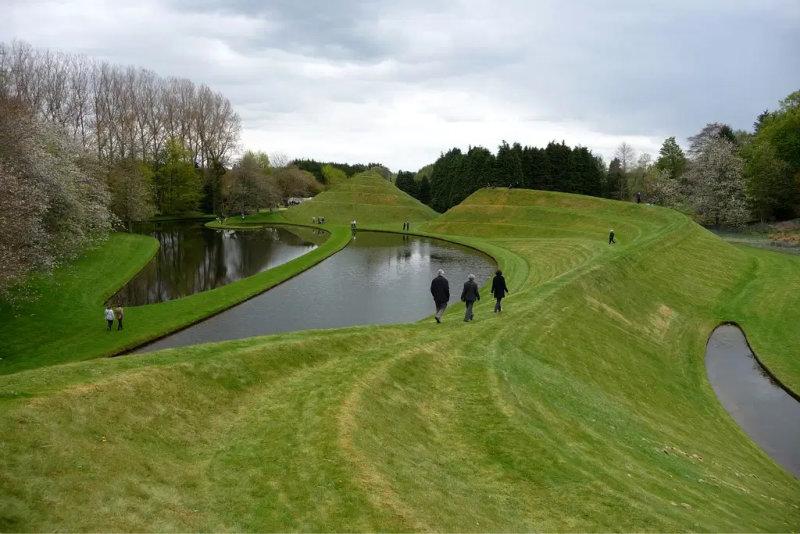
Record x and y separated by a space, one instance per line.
440 289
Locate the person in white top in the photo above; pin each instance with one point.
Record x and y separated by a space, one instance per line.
109 317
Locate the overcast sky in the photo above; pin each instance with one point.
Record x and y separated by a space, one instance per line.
401 81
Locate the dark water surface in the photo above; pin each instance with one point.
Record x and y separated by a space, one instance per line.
378 278
761 407
194 258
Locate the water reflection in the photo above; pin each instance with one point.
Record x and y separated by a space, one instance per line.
377 279
193 258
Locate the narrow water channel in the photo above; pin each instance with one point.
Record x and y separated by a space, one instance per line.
378 278
761 407
193 258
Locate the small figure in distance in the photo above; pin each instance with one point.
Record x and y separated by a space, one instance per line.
499 289
109 315
119 313
638 198
611 239
469 295
353 225
406 226
440 289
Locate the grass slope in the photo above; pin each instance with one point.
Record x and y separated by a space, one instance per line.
367 197
584 406
66 323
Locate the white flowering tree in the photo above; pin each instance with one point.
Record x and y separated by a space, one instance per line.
716 183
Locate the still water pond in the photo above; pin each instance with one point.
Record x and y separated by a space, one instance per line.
761 407
378 278
194 258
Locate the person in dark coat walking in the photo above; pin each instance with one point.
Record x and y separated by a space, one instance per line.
499 289
638 198
611 240
440 289
469 295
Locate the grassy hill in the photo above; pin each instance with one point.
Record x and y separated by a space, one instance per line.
584 406
367 197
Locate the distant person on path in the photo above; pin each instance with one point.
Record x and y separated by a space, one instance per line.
353 226
499 289
611 239
638 198
406 226
109 314
469 295
119 313
440 289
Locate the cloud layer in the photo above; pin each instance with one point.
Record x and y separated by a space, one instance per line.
400 82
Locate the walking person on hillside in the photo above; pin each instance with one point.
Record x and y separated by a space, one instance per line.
440 289
119 313
406 226
109 315
469 295
611 239
638 198
499 289
353 225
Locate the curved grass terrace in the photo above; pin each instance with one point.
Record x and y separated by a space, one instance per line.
584 406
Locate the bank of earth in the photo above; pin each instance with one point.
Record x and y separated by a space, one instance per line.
583 406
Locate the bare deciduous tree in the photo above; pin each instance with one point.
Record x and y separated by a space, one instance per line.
118 112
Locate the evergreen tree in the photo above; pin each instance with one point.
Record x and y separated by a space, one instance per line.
508 166
558 162
671 159
424 191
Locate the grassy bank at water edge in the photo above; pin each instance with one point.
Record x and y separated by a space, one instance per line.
584 406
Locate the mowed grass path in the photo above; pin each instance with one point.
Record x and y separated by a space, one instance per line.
583 406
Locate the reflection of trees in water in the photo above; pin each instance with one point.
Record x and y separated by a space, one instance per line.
193 258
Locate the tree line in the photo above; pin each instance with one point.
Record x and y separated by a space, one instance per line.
725 178
329 173
86 147
119 112
456 174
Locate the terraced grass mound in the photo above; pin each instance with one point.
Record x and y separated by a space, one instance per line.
584 406
366 197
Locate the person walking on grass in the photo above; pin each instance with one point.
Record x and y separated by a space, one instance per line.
119 313
440 289
499 289
611 239
469 295
406 226
109 315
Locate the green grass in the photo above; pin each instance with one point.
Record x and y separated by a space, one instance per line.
66 322
367 197
584 406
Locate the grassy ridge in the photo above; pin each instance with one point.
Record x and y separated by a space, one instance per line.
584 406
66 323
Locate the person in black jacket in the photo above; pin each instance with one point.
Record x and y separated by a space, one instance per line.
469 295
440 289
611 238
499 289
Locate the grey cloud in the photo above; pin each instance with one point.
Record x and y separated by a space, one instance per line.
617 69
